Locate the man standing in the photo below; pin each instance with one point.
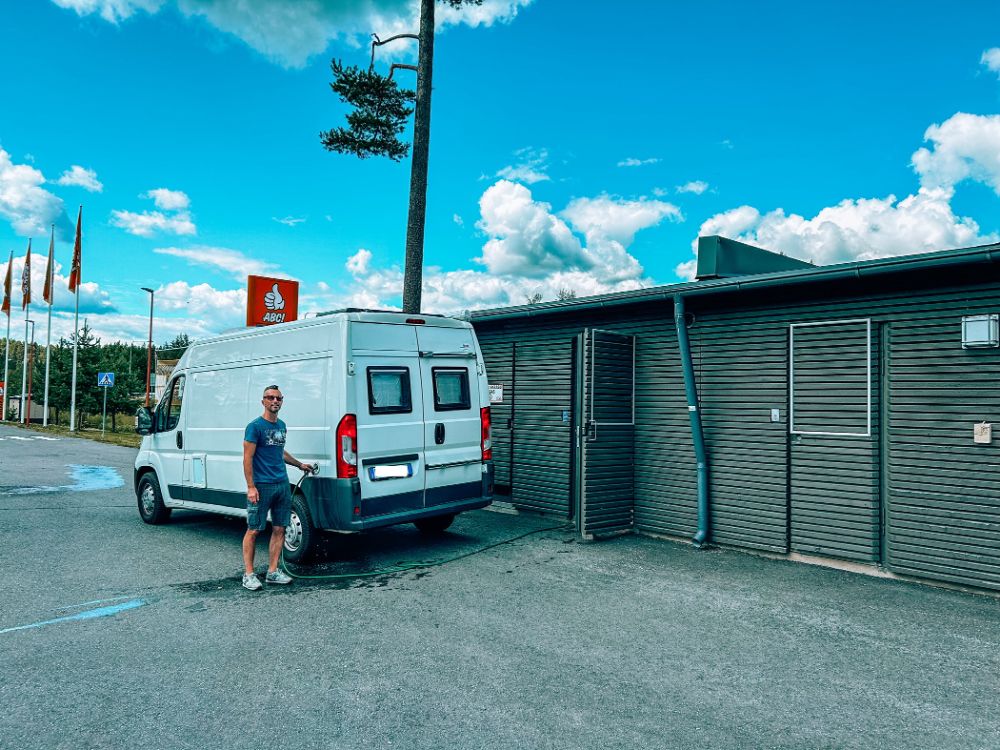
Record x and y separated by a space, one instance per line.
264 459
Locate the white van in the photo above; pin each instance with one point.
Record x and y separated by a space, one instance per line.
393 407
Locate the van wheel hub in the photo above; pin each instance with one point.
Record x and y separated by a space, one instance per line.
148 500
293 534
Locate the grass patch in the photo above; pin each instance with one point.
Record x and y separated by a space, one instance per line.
126 439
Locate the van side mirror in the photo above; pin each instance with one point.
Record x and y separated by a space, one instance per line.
144 421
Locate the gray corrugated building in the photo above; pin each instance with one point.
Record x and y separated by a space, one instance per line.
845 410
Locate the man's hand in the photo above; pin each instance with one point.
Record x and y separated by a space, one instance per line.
253 496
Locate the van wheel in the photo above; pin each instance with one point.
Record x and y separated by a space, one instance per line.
435 525
299 535
150 500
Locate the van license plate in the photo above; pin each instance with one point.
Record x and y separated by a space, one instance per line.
390 471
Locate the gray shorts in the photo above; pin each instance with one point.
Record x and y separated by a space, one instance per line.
276 498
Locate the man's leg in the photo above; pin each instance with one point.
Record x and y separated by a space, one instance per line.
274 548
249 547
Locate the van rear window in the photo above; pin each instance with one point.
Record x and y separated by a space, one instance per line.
451 388
389 390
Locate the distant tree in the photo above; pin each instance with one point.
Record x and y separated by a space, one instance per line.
566 294
534 299
379 117
174 348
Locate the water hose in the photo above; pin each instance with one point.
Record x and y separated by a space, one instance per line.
405 566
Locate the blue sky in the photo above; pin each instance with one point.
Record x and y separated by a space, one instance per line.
575 145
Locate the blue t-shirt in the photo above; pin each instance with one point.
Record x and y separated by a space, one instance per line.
268 460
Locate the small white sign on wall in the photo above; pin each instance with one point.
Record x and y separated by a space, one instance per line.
496 393
982 433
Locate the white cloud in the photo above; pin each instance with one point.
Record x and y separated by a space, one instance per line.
358 263
991 59
113 11
525 237
964 147
633 162
168 200
147 223
177 220
530 168
29 207
233 262
226 308
852 230
695 186
458 220
81 177
529 250
289 32
288 221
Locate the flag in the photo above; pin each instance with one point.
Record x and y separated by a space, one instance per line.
74 273
7 286
26 279
47 290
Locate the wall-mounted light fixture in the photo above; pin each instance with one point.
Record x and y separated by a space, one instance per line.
980 331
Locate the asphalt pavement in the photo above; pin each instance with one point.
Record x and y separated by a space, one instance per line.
115 634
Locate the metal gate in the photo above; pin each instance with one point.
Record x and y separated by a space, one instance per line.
605 469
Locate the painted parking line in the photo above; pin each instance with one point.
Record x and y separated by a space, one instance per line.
90 614
36 437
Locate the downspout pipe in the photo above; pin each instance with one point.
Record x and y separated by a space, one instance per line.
700 539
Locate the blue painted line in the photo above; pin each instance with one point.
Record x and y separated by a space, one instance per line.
88 615
87 604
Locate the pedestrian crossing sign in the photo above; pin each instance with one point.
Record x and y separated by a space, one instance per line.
105 379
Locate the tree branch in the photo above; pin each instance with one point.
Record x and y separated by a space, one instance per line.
401 66
379 42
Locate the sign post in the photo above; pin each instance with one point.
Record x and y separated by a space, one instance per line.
105 380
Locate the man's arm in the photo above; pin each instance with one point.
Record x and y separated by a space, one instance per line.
249 449
293 461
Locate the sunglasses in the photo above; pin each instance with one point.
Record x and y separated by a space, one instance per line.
274 398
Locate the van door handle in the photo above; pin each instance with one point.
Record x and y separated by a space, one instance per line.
439 433
180 439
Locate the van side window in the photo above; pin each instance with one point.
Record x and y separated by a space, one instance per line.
168 413
389 390
451 388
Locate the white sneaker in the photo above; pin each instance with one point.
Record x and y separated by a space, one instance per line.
278 576
252 582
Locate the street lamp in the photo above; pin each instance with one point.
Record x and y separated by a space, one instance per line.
149 350
26 378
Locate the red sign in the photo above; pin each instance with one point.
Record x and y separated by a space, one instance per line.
3 385
271 301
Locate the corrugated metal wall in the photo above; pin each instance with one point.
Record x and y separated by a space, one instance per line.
918 495
499 359
943 513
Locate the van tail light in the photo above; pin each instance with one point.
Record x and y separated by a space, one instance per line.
347 447
487 439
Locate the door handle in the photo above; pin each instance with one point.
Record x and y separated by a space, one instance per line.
439 433
180 439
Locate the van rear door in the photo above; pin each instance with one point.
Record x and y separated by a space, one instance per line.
452 421
390 417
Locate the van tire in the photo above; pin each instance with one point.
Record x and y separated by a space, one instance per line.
300 535
435 525
150 500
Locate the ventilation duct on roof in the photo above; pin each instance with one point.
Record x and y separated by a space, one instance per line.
723 258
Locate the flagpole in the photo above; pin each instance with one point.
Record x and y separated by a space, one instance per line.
74 281
50 295
6 356
26 296
24 375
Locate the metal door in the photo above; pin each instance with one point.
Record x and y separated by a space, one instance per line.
499 361
834 432
605 433
542 454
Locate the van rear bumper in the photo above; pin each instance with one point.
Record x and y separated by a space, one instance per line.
337 505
